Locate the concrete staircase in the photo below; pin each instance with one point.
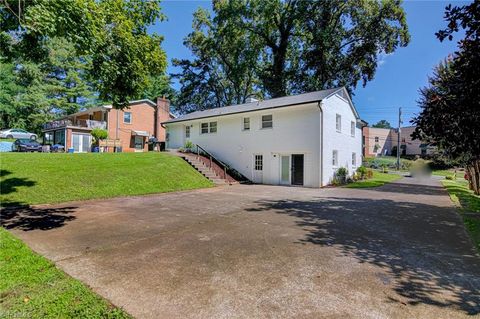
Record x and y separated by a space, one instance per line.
203 168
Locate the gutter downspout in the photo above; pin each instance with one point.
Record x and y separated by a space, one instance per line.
321 143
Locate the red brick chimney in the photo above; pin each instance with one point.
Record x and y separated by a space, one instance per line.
162 115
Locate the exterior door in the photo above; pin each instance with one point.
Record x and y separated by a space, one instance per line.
297 169
138 143
285 169
81 143
258 168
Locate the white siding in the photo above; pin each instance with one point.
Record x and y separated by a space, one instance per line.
296 130
342 141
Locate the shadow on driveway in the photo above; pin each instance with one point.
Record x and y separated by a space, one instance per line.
421 246
28 218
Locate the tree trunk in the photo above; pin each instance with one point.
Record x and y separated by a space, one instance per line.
473 170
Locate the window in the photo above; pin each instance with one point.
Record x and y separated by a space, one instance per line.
335 158
376 139
204 128
127 117
187 131
339 123
267 121
258 162
210 127
213 127
354 159
352 128
246 124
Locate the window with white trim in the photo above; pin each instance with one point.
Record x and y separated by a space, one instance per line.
127 117
246 124
335 158
204 128
187 131
213 127
210 127
352 128
338 123
258 162
267 121
354 159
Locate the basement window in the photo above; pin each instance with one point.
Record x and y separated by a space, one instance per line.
352 128
338 123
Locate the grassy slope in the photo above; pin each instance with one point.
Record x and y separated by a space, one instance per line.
37 178
470 206
378 179
32 287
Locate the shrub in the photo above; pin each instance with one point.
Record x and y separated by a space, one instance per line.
369 173
99 134
341 175
362 172
189 145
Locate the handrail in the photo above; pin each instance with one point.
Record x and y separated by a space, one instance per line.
214 158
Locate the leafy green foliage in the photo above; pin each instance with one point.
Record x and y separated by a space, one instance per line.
111 33
99 134
382 124
451 102
376 179
33 287
275 48
36 92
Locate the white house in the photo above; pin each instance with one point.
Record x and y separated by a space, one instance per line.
292 140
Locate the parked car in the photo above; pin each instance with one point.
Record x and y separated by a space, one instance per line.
17 133
26 145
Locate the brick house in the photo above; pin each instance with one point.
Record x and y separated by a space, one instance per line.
129 130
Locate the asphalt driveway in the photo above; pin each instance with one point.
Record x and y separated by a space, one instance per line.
398 251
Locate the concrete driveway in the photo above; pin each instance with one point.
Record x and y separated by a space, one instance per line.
398 251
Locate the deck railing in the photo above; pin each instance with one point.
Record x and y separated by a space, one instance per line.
76 123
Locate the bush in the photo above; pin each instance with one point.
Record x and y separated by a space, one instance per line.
369 173
341 175
189 145
99 134
362 172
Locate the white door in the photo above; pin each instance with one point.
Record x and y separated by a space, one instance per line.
258 168
138 141
285 169
81 142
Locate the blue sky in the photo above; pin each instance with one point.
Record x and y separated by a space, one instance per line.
398 77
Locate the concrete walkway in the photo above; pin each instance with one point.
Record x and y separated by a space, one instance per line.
243 251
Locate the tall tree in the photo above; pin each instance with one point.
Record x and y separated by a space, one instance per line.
450 105
36 92
159 86
113 33
222 71
293 46
382 124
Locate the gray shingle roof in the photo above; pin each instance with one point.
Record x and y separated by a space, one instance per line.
256 106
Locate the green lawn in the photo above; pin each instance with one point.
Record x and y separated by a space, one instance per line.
38 178
32 287
469 204
448 172
378 179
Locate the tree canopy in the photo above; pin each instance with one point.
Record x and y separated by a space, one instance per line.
382 124
450 104
274 48
111 33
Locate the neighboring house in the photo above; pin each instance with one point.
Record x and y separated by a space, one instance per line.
383 142
378 141
130 129
293 140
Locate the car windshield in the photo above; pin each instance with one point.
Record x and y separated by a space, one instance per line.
24 140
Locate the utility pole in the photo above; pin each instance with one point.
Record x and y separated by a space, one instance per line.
398 136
